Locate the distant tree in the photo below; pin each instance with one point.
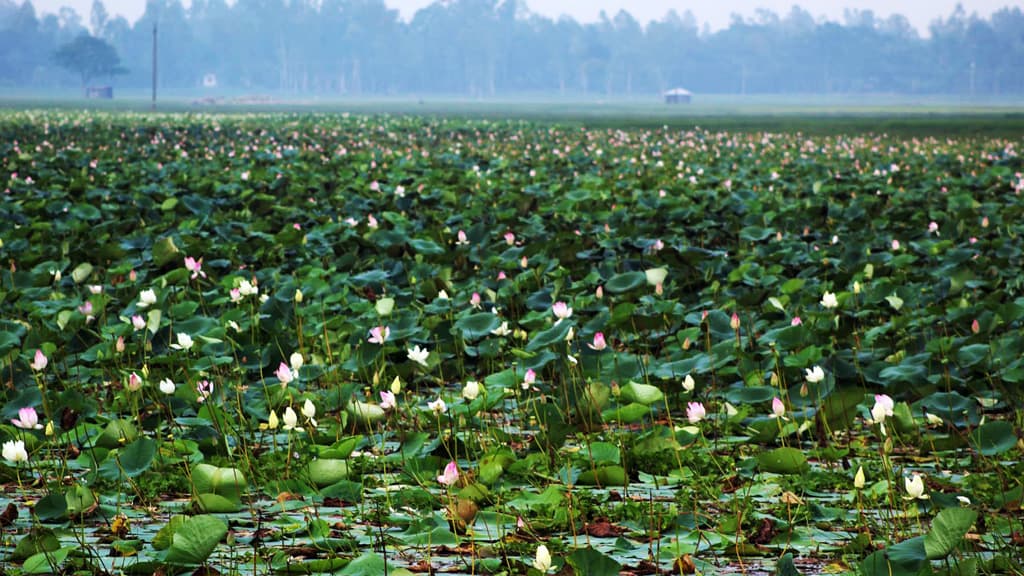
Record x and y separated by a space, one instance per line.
99 18
89 57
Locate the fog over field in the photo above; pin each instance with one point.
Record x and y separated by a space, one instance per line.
494 49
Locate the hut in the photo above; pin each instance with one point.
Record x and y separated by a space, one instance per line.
99 93
678 96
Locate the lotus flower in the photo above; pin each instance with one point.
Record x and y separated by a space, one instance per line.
284 374
418 355
184 342
39 362
296 362
502 330
688 383
828 300
309 411
450 475
379 334
858 479
561 310
14 451
387 400
167 386
437 406
290 419
542 561
695 412
599 343
147 298
471 390
915 487
138 322
529 378
27 419
814 375
134 382
195 267
205 389
778 408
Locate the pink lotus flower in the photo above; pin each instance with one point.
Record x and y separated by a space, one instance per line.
895 244
119 344
695 412
86 309
474 300
205 389
796 321
138 322
975 326
379 334
195 267
933 228
461 240
134 382
387 400
39 362
734 322
284 374
529 378
561 310
510 238
778 408
599 293
27 419
599 343
450 475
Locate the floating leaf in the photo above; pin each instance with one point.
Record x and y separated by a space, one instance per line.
593 563
783 460
947 531
642 393
903 559
994 438
625 282
195 539
478 325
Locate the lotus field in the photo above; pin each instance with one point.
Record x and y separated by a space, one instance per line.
294 344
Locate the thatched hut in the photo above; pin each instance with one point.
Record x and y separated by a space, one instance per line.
678 96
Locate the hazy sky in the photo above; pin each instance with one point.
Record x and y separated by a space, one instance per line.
717 13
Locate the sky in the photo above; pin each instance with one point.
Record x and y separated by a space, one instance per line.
716 14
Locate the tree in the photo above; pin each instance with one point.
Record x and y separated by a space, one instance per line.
89 57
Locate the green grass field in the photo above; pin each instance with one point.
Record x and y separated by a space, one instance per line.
900 115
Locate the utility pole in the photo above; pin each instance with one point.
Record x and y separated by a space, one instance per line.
153 107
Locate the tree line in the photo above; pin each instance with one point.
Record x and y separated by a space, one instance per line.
494 48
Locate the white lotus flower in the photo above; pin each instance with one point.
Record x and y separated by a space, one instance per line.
14 451
915 487
147 298
290 418
828 300
418 355
814 375
184 342
471 390
542 561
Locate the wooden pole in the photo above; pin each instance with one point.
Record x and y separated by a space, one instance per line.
153 107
